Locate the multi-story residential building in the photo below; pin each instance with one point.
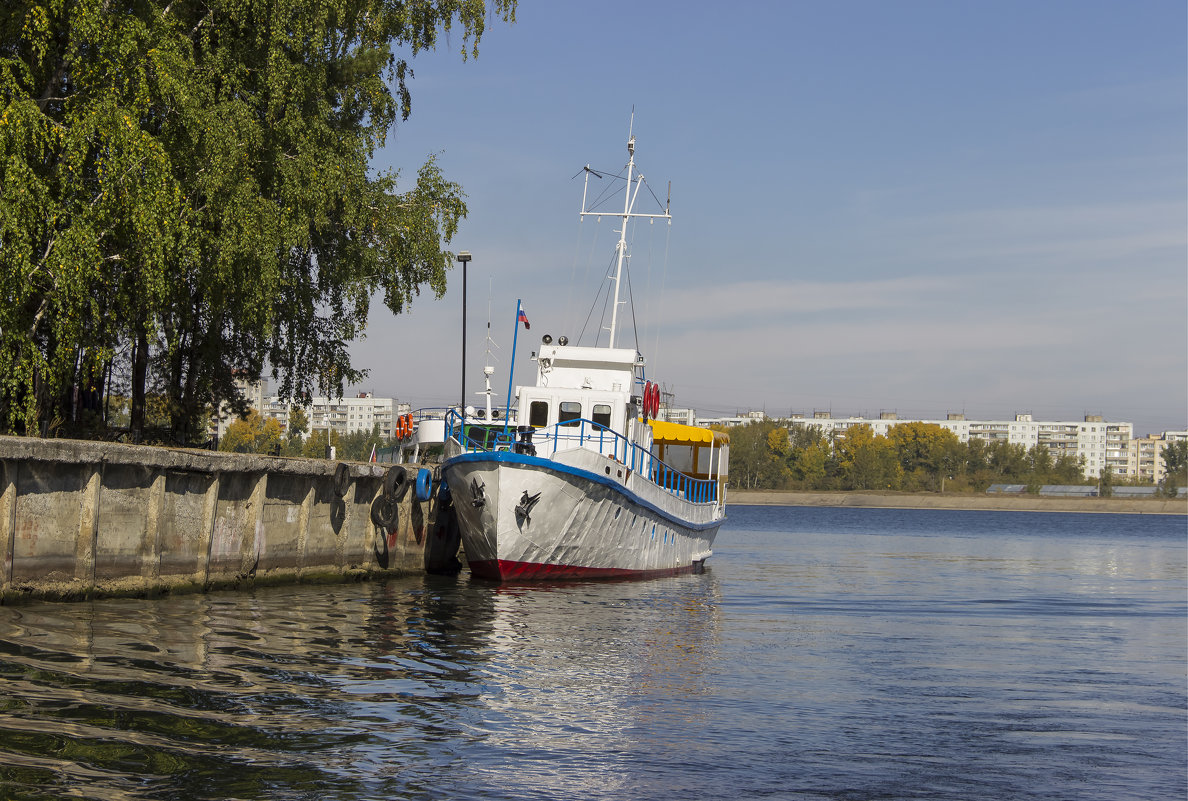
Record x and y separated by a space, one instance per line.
1145 455
343 415
253 391
361 413
1117 447
1144 459
686 417
737 420
1101 444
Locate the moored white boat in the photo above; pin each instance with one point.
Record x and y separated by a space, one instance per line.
585 482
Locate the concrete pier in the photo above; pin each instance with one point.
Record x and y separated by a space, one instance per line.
81 519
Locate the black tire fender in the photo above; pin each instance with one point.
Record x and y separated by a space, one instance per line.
342 479
385 512
396 482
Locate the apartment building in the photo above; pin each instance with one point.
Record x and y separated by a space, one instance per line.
1145 455
1102 444
360 413
253 392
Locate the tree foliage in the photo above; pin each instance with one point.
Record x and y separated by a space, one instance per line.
185 191
867 461
913 456
297 428
1175 461
253 434
753 463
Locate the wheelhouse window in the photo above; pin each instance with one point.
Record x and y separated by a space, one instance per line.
538 414
602 414
569 414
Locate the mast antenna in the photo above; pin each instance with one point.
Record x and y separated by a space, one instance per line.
634 182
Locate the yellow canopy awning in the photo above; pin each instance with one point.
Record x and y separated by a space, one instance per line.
664 433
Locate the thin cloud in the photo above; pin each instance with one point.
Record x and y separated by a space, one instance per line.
750 300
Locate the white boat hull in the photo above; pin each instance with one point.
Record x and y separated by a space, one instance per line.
586 516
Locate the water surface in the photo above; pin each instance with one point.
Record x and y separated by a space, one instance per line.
826 654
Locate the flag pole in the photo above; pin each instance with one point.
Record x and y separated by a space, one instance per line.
511 374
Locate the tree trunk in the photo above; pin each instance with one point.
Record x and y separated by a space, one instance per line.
139 376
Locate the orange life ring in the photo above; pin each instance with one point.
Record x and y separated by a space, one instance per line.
400 432
408 425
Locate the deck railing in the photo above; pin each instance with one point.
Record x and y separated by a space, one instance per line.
582 433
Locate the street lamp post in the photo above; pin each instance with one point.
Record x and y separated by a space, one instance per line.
464 258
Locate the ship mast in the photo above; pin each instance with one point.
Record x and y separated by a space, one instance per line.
629 196
621 248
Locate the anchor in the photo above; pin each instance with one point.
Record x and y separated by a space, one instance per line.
477 487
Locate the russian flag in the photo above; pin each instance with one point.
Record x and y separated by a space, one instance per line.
524 319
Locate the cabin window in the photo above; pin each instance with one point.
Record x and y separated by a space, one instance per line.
601 415
538 414
571 412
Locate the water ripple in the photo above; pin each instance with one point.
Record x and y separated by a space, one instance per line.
856 656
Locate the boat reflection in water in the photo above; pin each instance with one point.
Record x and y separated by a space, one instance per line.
591 668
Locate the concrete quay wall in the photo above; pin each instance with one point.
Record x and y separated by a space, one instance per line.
81 519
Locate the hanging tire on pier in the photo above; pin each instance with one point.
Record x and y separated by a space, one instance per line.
385 512
424 484
342 479
396 482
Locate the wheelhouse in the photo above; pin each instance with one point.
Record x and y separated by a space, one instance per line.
575 384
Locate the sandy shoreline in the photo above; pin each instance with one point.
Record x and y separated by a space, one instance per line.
924 500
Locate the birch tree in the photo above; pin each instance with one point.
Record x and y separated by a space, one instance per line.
188 184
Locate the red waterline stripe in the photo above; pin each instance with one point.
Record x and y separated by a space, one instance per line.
503 570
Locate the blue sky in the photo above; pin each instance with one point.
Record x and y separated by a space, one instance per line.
920 207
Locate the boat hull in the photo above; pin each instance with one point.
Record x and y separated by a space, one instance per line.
527 518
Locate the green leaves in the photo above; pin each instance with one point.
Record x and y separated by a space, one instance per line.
195 174
913 457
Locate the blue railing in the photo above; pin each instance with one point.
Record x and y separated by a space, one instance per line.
585 434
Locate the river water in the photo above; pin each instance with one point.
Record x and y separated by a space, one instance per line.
825 654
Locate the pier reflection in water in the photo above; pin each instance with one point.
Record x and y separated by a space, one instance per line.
397 689
826 654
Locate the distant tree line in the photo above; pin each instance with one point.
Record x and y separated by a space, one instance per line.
912 457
